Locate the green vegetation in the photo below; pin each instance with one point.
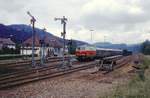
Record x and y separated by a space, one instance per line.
6 50
145 48
18 47
72 47
138 87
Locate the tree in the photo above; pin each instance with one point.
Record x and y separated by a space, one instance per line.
145 47
18 48
72 47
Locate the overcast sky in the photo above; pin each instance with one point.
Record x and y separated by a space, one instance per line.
120 21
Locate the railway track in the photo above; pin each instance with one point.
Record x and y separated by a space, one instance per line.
14 62
40 74
16 79
120 63
53 65
28 63
19 73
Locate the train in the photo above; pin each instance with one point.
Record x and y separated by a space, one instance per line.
89 52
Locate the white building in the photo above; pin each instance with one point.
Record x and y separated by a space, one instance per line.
6 42
52 47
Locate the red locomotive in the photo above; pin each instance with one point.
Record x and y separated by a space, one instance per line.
85 53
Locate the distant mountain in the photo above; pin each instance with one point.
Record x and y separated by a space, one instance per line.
27 30
7 32
20 32
135 47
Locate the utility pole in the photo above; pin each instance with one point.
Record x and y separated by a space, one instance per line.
43 47
10 37
104 39
91 35
22 45
63 22
33 20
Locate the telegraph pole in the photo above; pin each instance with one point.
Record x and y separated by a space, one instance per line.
104 39
91 35
43 47
33 20
63 22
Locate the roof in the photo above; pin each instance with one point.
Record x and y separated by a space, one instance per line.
52 42
109 49
94 47
6 41
87 45
29 41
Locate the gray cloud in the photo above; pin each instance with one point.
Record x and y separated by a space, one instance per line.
121 18
119 21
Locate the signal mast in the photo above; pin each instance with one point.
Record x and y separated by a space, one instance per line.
43 42
33 20
63 34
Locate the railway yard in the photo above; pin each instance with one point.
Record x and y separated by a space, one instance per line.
74 49
89 79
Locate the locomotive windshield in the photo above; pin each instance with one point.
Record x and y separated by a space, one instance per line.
86 48
81 48
90 48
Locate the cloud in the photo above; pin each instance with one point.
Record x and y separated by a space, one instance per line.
110 14
120 20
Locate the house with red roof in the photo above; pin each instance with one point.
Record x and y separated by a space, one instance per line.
6 42
52 46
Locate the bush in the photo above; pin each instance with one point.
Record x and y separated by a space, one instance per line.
145 47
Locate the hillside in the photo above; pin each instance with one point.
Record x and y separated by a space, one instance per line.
21 32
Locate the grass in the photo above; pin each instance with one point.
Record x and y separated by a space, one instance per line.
138 87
